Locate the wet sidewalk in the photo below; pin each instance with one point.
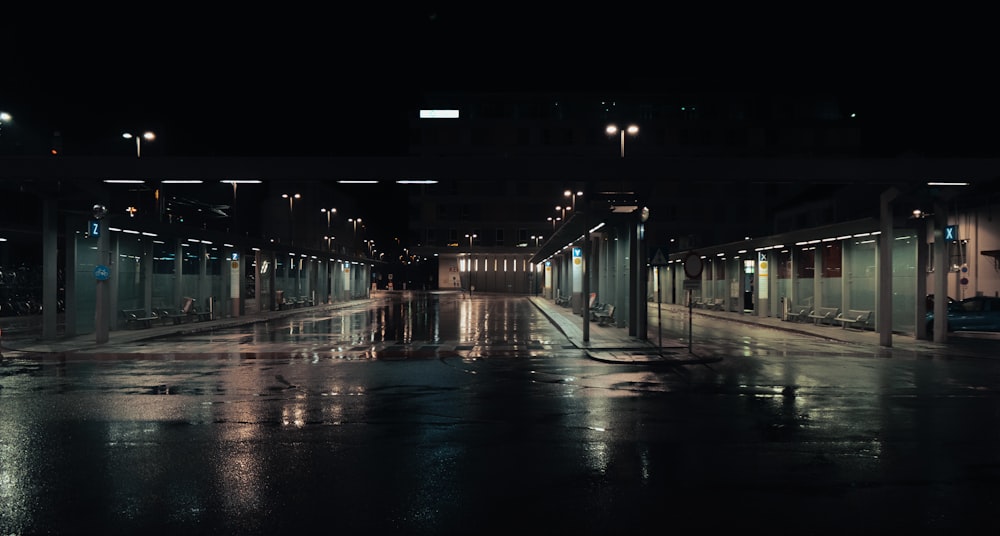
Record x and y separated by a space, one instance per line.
22 338
613 344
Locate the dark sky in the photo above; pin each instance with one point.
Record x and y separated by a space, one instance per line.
323 80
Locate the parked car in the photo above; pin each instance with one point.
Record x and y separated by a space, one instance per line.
979 313
930 301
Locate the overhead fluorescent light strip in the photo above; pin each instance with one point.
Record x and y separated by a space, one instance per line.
439 114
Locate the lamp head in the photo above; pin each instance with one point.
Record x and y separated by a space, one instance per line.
99 211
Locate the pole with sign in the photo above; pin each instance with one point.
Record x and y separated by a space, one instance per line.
235 282
692 268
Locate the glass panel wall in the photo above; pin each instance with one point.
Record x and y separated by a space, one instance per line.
783 276
128 273
831 281
190 268
904 281
804 264
164 274
720 286
860 256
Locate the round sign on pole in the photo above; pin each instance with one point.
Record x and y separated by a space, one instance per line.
101 272
693 265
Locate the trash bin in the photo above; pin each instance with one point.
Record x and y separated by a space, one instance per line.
279 299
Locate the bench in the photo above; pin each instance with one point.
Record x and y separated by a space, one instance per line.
824 315
605 316
188 309
598 308
173 315
856 318
799 313
139 317
200 315
717 304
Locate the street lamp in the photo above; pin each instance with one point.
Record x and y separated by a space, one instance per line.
291 213
536 238
148 136
573 195
329 212
472 287
553 220
563 209
354 240
613 129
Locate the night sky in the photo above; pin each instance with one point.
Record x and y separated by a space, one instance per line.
316 81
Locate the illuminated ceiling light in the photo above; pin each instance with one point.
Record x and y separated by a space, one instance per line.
181 181
439 114
357 182
416 181
241 181
124 181
947 183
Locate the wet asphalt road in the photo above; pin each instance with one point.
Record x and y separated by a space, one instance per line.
432 414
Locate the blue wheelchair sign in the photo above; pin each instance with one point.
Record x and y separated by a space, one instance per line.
101 272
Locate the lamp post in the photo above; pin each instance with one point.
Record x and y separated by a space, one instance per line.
536 238
563 209
573 195
553 220
291 214
613 129
471 286
354 239
148 136
329 212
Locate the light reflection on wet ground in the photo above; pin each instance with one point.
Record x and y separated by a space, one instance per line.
422 420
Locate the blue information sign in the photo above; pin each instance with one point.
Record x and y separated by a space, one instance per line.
101 272
951 233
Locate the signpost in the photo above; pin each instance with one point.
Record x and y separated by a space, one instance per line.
692 268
